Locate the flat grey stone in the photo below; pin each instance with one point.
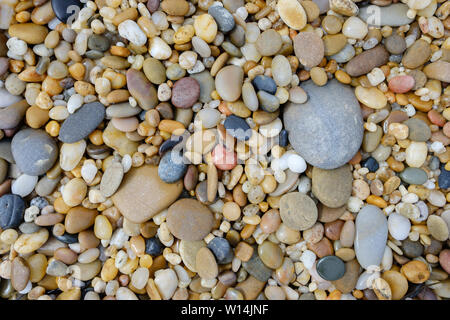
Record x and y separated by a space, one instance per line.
393 15
82 122
327 130
371 236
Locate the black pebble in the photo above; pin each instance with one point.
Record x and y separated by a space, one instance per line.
169 144
371 164
63 10
444 178
237 127
283 138
68 238
153 246
221 249
265 83
12 208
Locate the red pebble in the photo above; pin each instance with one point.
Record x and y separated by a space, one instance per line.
436 118
401 84
224 159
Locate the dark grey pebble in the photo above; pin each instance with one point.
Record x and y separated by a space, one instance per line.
224 19
265 83
81 123
330 268
412 249
414 176
257 268
268 102
98 42
12 208
64 9
444 178
172 167
153 246
237 127
68 238
221 249
34 151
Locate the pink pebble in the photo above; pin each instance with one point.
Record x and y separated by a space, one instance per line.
224 159
125 124
444 260
401 84
436 118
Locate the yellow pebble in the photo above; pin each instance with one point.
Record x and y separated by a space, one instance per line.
377 201
102 228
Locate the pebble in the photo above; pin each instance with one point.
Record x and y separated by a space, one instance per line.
438 70
142 208
63 10
166 282
237 127
20 273
302 125
371 164
395 44
205 27
418 130
224 19
256 268
29 32
268 102
298 211
330 268
348 281
444 178
264 83
118 140
111 179
416 154
185 93
292 13
12 114
332 187
444 259
189 220
81 123
412 249
417 54
154 70
131 31
315 53
34 151
414 176
27 243
398 226
401 84
141 89
268 43
228 82
345 55
206 264
371 232
438 227
207 85
270 254
12 209
393 15
415 271
281 72
371 97
221 249
366 61
172 167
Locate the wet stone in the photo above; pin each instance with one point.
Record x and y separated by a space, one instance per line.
395 44
68 238
257 268
330 268
444 178
98 42
82 122
418 130
153 246
366 61
12 208
371 164
298 211
332 187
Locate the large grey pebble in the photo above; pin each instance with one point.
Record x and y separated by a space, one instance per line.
34 151
393 15
327 130
81 123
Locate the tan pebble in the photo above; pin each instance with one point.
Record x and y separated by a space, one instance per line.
206 264
415 271
28 243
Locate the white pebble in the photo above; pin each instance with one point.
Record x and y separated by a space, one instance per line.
131 31
24 185
398 226
296 163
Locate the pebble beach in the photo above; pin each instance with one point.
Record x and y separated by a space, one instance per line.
224 150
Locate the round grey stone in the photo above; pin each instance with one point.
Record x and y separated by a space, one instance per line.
34 151
414 176
171 167
223 17
81 123
327 130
